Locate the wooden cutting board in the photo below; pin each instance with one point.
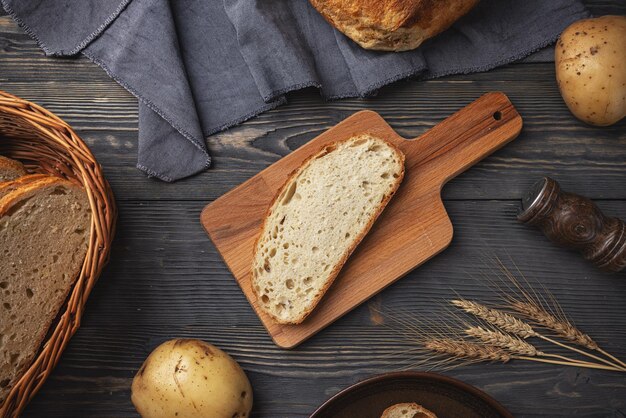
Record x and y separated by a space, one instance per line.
413 228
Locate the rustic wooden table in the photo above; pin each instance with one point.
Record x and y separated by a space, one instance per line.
166 280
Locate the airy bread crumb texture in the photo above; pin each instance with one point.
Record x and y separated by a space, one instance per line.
407 410
44 233
319 217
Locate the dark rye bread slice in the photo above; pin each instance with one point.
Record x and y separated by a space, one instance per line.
44 234
9 186
10 169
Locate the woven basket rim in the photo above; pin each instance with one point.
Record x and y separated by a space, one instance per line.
51 146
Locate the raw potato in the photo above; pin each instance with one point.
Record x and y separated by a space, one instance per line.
189 378
591 69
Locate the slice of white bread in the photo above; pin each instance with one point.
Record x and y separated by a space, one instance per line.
44 234
10 169
407 410
9 186
316 221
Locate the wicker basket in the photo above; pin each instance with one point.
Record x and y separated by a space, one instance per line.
46 144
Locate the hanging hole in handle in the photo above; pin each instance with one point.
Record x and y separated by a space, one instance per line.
497 115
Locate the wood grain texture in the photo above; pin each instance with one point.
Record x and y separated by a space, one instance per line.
167 280
575 222
411 230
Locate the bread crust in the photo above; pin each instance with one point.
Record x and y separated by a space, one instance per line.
27 190
392 25
9 186
335 271
10 169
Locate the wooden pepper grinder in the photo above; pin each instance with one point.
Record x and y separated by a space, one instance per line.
575 222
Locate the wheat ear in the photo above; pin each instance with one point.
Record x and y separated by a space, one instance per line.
464 350
515 345
505 341
552 318
500 319
516 326
561 327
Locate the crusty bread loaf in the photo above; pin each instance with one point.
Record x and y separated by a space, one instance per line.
317 219
44 233
9 186
10 169
407 410
392 25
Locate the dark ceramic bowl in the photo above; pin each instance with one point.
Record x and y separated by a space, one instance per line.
446 397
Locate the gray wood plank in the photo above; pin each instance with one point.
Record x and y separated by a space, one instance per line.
166 280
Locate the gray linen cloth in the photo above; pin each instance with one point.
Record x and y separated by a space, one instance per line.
201 66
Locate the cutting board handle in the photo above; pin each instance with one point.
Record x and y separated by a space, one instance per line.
464 138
